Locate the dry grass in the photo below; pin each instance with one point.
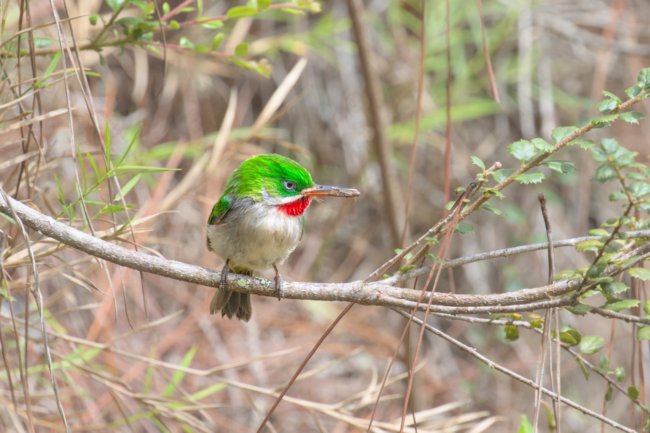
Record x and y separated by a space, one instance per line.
135 352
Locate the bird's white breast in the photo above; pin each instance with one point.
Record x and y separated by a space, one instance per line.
255 236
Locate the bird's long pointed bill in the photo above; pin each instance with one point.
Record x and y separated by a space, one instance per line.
329 191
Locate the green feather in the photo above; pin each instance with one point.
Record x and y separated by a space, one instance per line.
220 209
267 173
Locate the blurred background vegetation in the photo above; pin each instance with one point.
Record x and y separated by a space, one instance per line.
124 118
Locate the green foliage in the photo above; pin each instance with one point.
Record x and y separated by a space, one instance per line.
511 332
643 333
525 426
591 344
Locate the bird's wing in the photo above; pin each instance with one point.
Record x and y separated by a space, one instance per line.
220 210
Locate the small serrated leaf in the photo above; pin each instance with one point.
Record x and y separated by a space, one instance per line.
523 150
605 173
500 175
622 305
632 117
530 178
640 273
561 132
591 344
478 162
542 145
592 245
583 143
633 392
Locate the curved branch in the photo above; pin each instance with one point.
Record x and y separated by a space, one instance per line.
374 293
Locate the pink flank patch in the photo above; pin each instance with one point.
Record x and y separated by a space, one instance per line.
296 207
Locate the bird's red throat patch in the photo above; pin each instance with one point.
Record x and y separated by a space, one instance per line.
296 207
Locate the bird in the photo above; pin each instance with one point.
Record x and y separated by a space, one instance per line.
258 221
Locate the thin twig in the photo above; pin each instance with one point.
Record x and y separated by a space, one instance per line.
491 364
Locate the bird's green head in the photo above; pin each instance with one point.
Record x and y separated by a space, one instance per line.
270 177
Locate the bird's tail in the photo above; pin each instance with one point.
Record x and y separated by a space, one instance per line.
233 304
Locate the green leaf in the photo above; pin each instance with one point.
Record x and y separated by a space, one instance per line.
646 307
611 95
609 145
464 228
619 373
579 310
616 287
589 245
583 143
241 11
570 336
632 117
523 150
633 392
563 167
560 133
608 393
217 40
212 24
591 344
500 175
643 333
602 121
115 4
640 273
93 19
186 43
542 145
477 162
263 4
598 232
524 425
643 80
178 375
241 50
125 169
530 178
488 207
622 305
605 173
165 8
49 70
512 332
128 187
607 106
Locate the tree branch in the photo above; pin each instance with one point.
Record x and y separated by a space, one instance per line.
374 293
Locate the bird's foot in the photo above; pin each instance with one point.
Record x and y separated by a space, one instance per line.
224 276
279 290
221 297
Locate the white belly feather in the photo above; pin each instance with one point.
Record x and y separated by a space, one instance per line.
255 237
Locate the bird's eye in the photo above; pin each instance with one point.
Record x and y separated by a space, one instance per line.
289 185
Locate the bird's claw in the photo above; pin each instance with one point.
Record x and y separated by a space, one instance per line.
279 290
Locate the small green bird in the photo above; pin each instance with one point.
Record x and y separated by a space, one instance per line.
258 222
